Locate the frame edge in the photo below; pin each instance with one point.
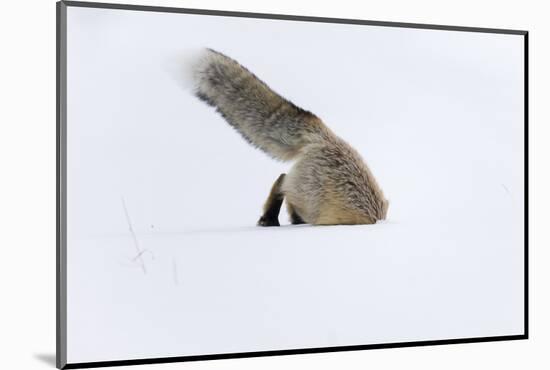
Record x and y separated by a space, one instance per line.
526 183
223 356
289 17
61 201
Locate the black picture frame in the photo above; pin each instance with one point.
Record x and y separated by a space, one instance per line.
61 162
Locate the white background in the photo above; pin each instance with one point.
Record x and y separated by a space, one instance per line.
28 218
438 116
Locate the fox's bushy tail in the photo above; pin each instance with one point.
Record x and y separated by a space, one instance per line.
264 118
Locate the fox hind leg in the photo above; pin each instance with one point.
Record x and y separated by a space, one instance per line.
295 218
272 205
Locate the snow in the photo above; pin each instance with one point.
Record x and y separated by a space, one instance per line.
437 115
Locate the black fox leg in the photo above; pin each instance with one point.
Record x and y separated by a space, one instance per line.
273 204
295 218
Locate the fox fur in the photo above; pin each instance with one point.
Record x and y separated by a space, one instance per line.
329 183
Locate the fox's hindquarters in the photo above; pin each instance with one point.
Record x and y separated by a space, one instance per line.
330 185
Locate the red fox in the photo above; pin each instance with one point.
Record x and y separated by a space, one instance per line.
329 183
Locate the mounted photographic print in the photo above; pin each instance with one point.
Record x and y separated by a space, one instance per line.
238 184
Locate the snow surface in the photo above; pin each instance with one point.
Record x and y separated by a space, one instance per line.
163 255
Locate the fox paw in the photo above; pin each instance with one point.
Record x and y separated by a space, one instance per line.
266 221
